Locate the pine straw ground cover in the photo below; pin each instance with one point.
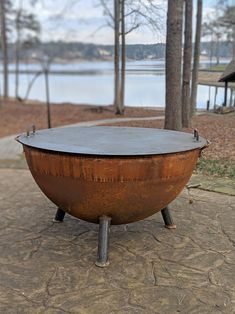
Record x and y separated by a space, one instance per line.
15 116
218 159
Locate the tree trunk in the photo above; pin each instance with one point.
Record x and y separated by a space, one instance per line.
217 52
186 121
197 48
117 101
233 39
17 52
17 71
46 73
31 84
4 48
215 97
231 97
173 115
123 68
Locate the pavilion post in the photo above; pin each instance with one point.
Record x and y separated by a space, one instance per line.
225 94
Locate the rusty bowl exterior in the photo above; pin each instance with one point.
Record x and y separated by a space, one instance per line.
127 189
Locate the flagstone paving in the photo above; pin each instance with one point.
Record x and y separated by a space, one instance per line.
49 268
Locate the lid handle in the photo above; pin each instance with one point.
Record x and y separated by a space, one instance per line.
30 128
196 135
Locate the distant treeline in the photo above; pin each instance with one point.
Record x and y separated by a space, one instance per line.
73 50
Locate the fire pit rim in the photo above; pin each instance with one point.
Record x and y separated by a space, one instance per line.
161 141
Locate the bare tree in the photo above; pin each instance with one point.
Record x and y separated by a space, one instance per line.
4 47
27 30
187 64
227 20
220 24
117 100
123 68
197 50
131 15
212 28
114 21
173 115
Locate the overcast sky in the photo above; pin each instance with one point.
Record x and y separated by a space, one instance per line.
83 20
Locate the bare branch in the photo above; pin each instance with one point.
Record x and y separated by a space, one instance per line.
107 11
146 13
132 29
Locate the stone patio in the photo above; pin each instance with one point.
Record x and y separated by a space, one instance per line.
49 268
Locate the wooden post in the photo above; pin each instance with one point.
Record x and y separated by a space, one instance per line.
225 94
47 97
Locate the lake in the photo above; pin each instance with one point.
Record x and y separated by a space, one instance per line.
145 84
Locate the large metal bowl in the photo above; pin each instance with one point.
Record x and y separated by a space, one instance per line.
127 174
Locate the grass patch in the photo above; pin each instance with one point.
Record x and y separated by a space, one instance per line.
220 67
214 167
214 68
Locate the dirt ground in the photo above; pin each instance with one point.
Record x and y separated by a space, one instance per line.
211 78
15 117
218 129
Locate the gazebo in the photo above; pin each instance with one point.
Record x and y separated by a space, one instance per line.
226 77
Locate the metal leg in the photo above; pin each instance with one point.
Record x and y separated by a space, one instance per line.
166 215
59 216
103 242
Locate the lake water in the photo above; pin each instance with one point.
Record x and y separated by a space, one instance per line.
145 84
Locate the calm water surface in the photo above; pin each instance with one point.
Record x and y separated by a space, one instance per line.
145 84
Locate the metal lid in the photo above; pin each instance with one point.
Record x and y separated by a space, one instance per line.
111 141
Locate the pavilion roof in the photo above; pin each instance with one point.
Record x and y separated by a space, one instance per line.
229 73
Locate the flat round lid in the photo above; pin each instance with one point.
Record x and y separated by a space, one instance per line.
111 141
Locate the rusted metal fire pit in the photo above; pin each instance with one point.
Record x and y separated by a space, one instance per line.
111 175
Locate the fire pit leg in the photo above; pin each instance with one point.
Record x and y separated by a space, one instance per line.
102 259
166 215
59 216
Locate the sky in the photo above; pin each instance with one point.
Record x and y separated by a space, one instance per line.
84 21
